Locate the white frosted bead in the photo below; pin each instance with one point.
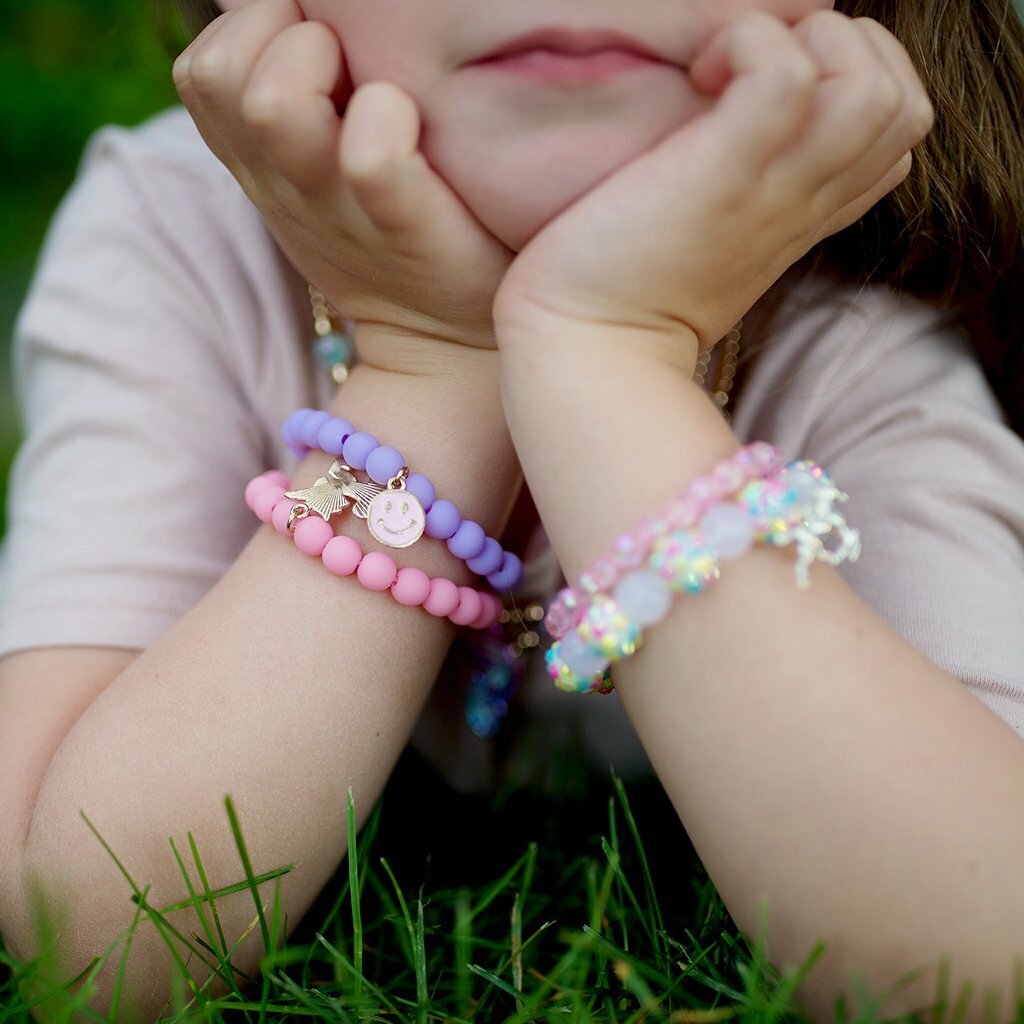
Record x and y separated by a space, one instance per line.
643 597
580 657
728 530
800 481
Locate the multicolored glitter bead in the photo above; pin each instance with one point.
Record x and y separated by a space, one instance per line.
608 630
686 560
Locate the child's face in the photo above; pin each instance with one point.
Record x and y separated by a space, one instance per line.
517 149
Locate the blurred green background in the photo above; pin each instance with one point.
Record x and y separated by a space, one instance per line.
66 67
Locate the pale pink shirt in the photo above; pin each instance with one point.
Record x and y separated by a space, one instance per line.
165 339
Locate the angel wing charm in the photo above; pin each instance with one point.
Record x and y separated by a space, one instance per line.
324 498
362 494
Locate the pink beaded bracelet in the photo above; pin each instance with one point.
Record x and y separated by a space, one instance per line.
342 556
631 551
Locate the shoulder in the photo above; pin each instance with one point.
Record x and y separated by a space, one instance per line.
841 358
155 185
167 145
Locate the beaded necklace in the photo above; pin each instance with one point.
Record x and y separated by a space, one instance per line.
500 655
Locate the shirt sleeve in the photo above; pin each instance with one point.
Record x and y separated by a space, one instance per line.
935 478
125 497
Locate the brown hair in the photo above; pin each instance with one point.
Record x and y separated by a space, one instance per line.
953 232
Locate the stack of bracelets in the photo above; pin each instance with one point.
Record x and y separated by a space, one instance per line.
753 497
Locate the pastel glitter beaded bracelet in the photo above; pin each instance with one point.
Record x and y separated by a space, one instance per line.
630 551
793 506
400 521
375 570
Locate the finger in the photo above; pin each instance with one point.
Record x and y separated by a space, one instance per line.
768 89
859 173
859 121
380 158
217 71
853 211
290 100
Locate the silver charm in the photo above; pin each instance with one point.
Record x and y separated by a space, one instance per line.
819 520
397 517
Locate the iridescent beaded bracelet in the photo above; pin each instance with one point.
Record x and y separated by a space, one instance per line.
309 429
631 550
793 506
375 570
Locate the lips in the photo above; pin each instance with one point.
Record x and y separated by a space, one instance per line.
571 42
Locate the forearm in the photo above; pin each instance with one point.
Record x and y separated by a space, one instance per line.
816 759
282 686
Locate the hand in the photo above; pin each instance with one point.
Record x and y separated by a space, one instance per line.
350 201
813 124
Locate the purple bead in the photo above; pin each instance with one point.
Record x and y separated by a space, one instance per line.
357 448
310 430
289 431
443 520
468 540
333 435
509 575
419 485
490 560
383 463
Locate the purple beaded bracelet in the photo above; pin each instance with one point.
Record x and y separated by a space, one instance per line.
311 429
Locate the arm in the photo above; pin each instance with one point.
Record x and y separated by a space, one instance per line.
282 686
818 761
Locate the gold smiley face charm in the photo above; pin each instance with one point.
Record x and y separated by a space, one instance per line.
397 518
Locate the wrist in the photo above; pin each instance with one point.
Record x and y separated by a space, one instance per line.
423 353
596 342
449 427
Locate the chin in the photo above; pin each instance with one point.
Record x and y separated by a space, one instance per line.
516 178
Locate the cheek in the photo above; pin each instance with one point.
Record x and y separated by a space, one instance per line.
389 40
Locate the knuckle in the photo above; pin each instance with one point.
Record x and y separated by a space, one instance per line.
881 102
208 70
796 77
264 108
923 119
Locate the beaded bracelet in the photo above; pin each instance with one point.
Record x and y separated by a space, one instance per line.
630 551
342 556
309 429
794 506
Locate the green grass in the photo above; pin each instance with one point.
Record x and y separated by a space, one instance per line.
568 927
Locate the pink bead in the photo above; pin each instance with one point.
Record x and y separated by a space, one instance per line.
470 607
255 485
627 553
731 478
681 514
766 455
704 489
411 588
601 576
342 556
562 614
282 510
312 535
490 613
276 476
444 598
377 571
265 501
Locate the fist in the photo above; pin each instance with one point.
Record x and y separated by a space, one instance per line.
338 177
